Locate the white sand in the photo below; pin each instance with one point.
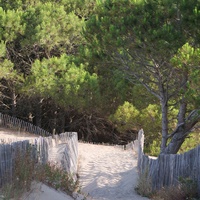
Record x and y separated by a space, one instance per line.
106 173
41 191
11 135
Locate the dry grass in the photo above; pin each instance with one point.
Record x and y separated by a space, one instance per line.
169 193
144 186
185 190
55 177
23 171
26 170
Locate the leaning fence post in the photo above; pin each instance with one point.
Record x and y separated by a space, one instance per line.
140 147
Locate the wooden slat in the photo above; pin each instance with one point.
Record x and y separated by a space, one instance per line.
40 148
167 169
9 122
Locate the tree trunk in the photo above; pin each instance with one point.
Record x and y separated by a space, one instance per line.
62 119
164 125
38 114
181 132
14 103
54 131
176 142
182 112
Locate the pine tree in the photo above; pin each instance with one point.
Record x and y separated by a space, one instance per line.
142 38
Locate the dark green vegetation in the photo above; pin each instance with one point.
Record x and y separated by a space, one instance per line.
103 68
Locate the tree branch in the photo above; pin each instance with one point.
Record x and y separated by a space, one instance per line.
192 119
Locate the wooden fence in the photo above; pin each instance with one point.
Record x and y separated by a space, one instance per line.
8 152
40 152
166 170
12 122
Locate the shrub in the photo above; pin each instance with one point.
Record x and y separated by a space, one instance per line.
189 187
26 170
185 190
56 178
190 142
125 117
144 186
153 149
169 193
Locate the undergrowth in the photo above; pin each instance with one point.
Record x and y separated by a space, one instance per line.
144 186
186 189
26 170
56 177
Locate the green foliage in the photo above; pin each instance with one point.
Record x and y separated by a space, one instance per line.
141 97
2 49
10 25
153 149
190 142
34 30
7 71
82 8
130 23
63 81
7 67
119 84
115 89
48 25
10 4
114 43
125 117
150 119
19 4
129 34
188 59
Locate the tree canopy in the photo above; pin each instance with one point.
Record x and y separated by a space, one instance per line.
156 44
131 62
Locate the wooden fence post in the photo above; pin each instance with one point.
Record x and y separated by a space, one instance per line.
140 147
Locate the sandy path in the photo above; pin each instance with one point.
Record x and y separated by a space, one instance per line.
108 173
